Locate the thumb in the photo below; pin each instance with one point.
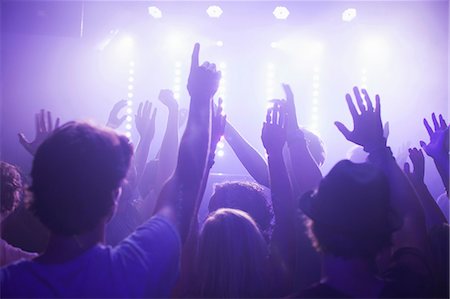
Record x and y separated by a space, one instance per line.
423 144
23 140
343 129
406 168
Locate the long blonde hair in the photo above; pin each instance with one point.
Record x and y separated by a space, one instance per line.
232 256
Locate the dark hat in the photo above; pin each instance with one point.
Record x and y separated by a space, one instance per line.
353 198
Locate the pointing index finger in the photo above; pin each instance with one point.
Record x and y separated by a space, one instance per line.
194 59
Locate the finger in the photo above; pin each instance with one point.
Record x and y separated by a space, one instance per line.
427 126
139 113
368 101
42 121
268 115
282 117
194 58
36 123
351 106
435 122
288 92
49 121
423 144
119 105
57 123
122 119
359 100
343 129
154 115
377 105
212 67
23 140
442 122
406 168
275 114
386 130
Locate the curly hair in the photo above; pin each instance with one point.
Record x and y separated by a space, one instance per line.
75 172
11 187
245 196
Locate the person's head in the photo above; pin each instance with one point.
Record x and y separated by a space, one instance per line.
77 173
315 146
11 188
357 154
232 256
246 196
351 216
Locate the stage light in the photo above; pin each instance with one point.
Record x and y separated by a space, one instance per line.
130 94
176 88
130 87
281 13
131 72
131 64
177 64
175 41
214 11
220 153
177 72
176 95
274 45
374 50
177 80
130 79
349 14
128 134
129 118
155 12
220 145
128 126
129 102
129 111
219 43
222 65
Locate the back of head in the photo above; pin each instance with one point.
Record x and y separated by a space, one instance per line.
350 213
232 256
11 188
245 196
75 173
315 146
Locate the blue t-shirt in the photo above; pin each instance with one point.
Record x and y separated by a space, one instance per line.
145 264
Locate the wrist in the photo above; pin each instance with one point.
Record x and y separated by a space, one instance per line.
296 137
376 145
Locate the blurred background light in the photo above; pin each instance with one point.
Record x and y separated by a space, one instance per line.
349 14
214 11
281 13
155 12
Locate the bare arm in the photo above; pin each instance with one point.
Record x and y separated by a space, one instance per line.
145 124
307 174
178 199
433 214
368 132
248 156
169 146
283 250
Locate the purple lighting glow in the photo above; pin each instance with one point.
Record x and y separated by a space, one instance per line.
214 11
281 12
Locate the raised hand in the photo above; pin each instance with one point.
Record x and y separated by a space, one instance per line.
418 162
44 127
291 124
203 80
166 97
145 120
367 126
114 121
217 126
273 133
439 140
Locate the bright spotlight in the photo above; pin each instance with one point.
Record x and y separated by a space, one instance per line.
155 12
214 11
349 14
175 41
219 43
374 49
126 44
220 153
274 45
281 12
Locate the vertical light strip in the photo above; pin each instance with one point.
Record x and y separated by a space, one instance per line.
129 118
177 81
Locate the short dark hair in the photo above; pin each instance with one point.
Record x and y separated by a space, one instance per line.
75 172
11 187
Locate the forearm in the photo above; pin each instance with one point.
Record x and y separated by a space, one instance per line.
404 201
432 212
249 157
141 155
180 194
283 241
306 171
169 148
442 166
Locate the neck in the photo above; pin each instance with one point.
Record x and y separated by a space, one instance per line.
61 249
355 277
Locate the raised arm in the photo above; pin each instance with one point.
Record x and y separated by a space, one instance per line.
438 147
249 157
368 132
44 126
306 172
178 199
169 146
145 119
433 214
283 251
